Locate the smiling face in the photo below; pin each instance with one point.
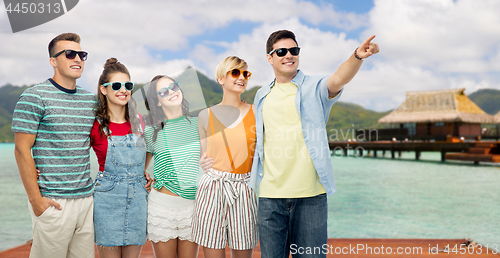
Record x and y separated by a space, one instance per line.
229 83
68 69
173 99
120 97
287 65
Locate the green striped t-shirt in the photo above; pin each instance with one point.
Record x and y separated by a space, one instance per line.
176 153
62 120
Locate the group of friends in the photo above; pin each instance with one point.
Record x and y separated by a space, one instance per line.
274 148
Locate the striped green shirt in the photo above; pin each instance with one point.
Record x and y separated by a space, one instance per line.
176 153
62 120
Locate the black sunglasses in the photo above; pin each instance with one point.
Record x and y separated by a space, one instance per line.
282 51
116 86
71 54
174 86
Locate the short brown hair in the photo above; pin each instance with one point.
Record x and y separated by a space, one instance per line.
65 36
277 36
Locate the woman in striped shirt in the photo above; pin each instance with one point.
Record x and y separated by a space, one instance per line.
172 140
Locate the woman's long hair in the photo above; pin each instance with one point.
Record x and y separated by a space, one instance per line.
111 67
156 117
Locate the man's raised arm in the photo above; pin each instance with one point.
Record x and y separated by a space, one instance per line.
349 68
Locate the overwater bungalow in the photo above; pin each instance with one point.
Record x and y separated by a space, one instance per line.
436 115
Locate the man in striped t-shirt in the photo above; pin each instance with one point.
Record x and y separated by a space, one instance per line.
53 120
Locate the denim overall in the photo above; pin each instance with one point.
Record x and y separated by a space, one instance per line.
120 199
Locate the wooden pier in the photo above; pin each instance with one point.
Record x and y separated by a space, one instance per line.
476 151
481 152
354 247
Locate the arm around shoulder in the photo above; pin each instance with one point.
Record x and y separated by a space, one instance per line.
205 162
203 121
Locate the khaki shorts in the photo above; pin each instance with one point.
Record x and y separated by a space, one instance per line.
64 233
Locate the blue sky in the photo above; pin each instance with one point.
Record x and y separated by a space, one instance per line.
424 44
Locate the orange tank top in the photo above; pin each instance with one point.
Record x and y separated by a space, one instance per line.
231 148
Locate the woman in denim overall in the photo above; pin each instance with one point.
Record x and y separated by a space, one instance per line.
120 197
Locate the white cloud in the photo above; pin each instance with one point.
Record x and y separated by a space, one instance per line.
385 85
129 30
321 52
425 44
436 33
433 44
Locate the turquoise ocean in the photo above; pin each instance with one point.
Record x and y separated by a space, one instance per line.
376 198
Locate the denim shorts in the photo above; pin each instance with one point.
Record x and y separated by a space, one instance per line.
120 210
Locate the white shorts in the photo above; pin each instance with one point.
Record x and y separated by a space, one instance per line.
169 217
64 233
225 212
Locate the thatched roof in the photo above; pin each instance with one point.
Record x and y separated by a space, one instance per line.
438 106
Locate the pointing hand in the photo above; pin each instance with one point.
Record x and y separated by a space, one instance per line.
367 48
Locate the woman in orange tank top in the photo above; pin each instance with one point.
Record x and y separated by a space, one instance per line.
226 207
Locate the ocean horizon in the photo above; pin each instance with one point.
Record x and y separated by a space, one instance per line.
375 198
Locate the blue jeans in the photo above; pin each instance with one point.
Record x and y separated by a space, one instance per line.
293 225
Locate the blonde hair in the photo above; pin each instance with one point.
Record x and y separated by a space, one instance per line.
228 64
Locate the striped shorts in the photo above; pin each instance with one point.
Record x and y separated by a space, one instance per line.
225 212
